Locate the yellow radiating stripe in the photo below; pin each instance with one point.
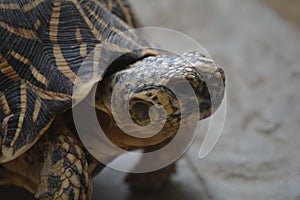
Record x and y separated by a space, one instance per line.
83 46
126 12
102 5
37 108
49 95
78 35
20 58
37 75
120 21
110 5
83 50
117 48
7 69
22 32
62 64
37 24
23 106
5 104
96 59
91 26
9 6
9 154
31 5
118 31
54 21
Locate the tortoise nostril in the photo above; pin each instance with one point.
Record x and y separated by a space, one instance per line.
221 71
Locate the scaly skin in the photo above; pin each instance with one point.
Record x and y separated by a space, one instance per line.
55 168
151 181
64 174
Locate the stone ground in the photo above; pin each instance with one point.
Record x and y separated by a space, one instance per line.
257 156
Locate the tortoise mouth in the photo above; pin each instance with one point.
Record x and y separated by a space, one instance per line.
124 140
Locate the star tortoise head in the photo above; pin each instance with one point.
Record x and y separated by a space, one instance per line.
188 87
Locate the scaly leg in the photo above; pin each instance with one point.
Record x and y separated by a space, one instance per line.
151 181
64 175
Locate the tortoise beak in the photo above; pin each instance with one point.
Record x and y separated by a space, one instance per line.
221 71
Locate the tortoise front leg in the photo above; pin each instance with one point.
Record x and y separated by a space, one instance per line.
64 174
151 181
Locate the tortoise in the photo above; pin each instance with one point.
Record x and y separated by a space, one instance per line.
43 45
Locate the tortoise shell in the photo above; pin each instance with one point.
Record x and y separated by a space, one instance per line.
43 44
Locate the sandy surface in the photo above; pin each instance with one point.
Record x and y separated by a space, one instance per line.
257 156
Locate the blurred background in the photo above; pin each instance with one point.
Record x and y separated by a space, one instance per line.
257 156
